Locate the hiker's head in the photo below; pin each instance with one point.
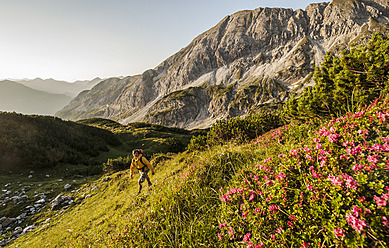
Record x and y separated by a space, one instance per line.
136 153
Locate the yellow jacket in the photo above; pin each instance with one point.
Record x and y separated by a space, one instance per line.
136 163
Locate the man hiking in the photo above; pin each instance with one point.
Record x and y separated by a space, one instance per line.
143 165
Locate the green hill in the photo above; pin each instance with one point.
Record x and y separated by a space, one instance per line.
42 157
33 141
42 141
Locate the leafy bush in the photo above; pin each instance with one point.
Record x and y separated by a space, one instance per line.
237 129
198 143
174 145
330 191
343 83
118 164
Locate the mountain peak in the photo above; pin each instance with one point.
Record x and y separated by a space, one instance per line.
250 59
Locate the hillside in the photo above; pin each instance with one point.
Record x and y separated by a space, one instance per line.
41 141
19 98
301 184
249 60
42 158
36 142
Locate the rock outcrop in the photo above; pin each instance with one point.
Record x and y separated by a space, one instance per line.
250 59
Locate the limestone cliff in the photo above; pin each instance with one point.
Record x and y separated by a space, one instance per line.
251 58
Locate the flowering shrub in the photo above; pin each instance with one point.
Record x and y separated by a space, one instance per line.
332 190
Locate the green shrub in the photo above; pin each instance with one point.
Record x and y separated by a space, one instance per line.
118 164
238 130
198 143
344 83
174 145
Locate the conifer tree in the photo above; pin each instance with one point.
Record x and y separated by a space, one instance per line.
355 78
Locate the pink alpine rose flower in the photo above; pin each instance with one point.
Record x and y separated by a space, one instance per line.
385 221
334 137
379 201
221 225
339 232
246 237
355 223
356 210
281 175
336 181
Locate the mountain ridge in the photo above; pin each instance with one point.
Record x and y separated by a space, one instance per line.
23 99
51 85
256 57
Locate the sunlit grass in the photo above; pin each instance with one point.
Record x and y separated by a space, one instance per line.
185 206
181 209
106 212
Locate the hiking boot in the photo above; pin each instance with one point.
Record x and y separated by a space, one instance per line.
137 193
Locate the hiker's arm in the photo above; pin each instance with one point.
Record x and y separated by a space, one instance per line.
132 169
148 165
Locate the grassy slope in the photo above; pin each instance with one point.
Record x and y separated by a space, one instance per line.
189 206
151 138
295 186
107 211
184 208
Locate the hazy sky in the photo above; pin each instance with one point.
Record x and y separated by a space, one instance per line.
83 39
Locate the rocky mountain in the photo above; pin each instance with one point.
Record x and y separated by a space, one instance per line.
60 87
22 99
250 59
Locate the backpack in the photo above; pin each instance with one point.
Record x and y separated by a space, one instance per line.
145 156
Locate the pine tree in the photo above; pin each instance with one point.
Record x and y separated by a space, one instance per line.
354 78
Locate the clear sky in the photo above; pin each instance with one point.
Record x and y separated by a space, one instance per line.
84 39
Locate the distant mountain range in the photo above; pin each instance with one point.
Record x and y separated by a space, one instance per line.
59 87
15 97
249 60
40 96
